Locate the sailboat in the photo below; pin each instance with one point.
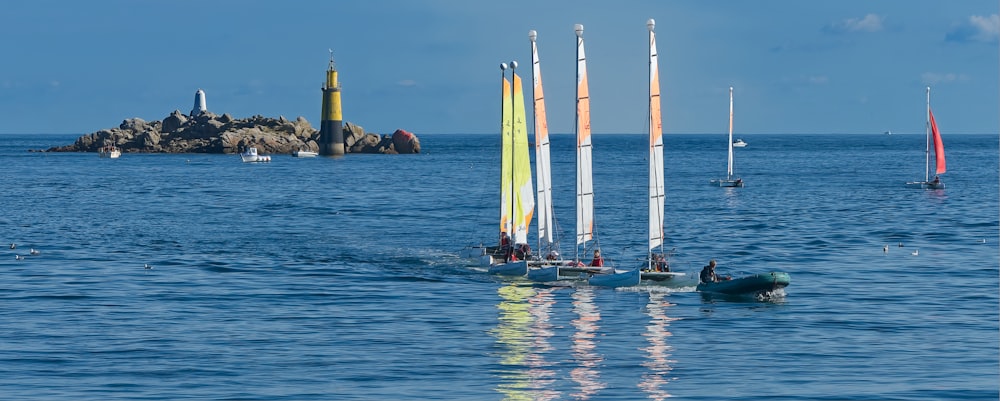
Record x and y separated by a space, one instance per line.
584 177
656 261
933 135
546 266
729 181
516 196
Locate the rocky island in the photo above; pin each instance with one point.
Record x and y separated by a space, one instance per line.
207 132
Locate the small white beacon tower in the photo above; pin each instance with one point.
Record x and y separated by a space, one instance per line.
199 103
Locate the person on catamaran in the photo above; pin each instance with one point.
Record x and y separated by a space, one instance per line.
522 251
660 263
553 255
708 274
598 261
937 180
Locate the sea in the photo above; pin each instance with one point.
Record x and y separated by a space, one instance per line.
197 276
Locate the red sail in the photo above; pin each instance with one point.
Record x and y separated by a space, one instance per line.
938 146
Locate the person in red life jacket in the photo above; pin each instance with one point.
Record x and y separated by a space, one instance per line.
598 261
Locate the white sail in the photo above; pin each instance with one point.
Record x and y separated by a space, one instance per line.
656 180
543 170
584 170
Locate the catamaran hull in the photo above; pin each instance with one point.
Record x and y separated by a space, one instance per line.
618 279
926 185
518 268
756 283
728 183
660 276
543 274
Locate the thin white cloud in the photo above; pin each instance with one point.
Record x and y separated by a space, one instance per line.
978 29
407 83
932 78
868 23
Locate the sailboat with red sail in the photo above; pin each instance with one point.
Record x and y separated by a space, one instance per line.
933 140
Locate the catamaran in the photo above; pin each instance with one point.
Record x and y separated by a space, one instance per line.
584 179
656 267
933 136
545 266
729 181
516 196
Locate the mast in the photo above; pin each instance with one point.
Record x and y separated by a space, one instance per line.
927 129
729 172
505 148
656 179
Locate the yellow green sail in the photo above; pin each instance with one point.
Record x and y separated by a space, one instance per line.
523 192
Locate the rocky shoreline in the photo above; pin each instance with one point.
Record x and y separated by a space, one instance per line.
211 133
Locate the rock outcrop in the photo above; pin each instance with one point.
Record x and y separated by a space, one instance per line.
211 133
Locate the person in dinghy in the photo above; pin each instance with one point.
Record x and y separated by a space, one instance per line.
708 274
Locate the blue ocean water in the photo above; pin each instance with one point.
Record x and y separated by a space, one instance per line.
339 279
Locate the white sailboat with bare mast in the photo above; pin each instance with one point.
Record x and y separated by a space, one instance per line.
729 181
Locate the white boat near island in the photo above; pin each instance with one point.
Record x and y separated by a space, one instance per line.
304 153
109 152
251 156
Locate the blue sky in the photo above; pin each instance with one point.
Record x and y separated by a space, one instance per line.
850 66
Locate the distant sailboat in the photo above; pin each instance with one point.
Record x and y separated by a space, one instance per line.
729 181
933 137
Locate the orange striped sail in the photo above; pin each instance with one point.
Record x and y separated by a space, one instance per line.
584 172
543 169
656 186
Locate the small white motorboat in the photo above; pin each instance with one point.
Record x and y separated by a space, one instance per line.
251 156
738 143
109 152
304 153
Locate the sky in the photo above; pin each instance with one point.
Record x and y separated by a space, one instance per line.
431 66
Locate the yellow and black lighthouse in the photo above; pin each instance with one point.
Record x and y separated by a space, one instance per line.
331 132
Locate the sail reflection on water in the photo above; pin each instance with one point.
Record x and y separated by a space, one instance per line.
586 374
658 352
522 334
